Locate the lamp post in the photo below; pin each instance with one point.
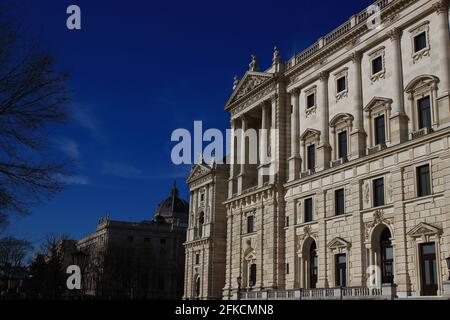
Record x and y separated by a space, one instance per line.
239 282
448 267
79 258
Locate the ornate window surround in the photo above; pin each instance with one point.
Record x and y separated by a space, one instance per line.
420 87
338 75
377 107
416 191
414 32
340 123
308 92
379 52
335 247
300 209
367 191
247 214
309 137
426 233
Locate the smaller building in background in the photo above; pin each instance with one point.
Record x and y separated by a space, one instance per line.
138 260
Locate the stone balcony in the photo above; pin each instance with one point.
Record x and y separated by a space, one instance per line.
386 292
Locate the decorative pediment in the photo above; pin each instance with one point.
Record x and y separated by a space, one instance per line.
338 243
424 229
421 81
250 81
198 171
377 102
341 117
310 133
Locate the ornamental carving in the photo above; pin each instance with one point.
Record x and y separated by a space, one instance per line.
378 218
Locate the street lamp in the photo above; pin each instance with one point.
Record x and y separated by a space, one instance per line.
448 266
239 282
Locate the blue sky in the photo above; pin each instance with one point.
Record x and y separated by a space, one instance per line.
139 70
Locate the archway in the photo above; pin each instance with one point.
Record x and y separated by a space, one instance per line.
382 253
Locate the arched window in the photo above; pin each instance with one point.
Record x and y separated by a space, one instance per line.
386 257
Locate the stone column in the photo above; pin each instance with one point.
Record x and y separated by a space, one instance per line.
441 8
398 119
263 139
324 149
357 136
242 156
232 160
295 160
273 143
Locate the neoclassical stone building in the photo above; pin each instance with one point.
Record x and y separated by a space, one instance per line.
360 190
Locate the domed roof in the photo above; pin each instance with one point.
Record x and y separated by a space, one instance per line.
173 208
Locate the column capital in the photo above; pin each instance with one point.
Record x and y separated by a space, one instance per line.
440 6
356 56
394 34
323 75
295 91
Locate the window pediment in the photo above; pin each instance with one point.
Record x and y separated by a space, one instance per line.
341 118
338 243
312 134
378 103
424 229
420 82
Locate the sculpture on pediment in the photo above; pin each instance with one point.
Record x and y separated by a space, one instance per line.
276 56
235 82
253 66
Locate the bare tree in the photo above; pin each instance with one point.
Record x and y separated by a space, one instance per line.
33 95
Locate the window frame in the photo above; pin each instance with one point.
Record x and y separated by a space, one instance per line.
417 179
336 204
375 203
375 127
311 165
310 216
422 28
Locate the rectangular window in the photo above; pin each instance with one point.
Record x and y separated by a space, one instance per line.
250 224
377 65
380 130
424 110
310 100
423 181
420 42
342 144
252 278
287 268
339 199
341 84
341 270
197 259
308 210
378 192
311 157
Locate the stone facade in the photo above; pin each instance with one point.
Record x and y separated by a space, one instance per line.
138 260
205 244
360 159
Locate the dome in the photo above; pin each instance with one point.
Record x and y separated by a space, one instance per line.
173 209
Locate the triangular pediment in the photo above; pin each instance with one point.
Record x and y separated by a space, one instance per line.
423 229
199 170
377 101
250 81
338 243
